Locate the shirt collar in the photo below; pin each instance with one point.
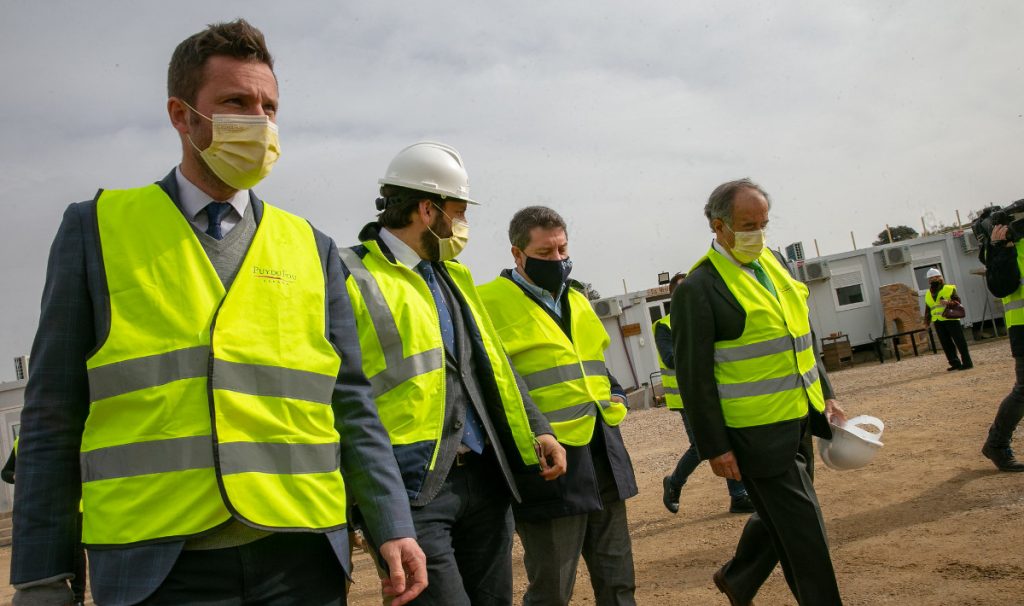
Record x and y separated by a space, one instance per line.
544 295
194 200
404 253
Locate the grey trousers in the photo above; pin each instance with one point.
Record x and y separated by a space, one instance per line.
553 548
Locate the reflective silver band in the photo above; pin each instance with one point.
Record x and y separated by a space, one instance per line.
672 390
767 386
1015 304
196 452
571 413
150 371
276 458
273 381
142 458
564 373
398 369
764 348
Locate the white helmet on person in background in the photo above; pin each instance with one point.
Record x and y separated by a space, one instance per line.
430 167
933 273
852 447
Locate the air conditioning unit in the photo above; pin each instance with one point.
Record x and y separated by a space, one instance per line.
608 308
895 256
969 241
812 271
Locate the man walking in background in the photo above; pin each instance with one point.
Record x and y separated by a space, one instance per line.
672 484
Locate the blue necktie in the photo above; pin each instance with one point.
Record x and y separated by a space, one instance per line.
214 212
762 277
474 432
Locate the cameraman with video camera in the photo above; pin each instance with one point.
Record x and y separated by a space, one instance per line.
1004 262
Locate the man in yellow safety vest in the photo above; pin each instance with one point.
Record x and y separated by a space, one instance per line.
937 299
461 424
754 389
557 343
196 379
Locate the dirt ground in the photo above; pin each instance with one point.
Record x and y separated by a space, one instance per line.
928 522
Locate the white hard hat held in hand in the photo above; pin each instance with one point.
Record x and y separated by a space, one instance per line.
430 167
851 446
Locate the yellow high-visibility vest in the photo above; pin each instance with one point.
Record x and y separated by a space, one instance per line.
769 374
673 399
1013 305
567 378
936 307
403 352
206 404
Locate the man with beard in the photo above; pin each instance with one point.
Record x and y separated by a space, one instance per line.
460 420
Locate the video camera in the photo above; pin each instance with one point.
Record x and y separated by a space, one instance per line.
1011 216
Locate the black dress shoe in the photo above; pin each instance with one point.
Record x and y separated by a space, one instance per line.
954 367
670 495
1003 458
966 367
719 579
741 505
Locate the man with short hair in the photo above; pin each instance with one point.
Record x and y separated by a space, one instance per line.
461 424
557 344
196 373
672 484
754 390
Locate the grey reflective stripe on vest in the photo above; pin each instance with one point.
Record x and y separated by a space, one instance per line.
142 458
564 373
397 369
196 452
1015 304
150 371
767 386
268 457
273 381
571 413
672 390
764 348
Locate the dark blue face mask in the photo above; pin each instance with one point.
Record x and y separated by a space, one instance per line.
549 275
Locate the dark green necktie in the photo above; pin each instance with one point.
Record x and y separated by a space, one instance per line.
762 277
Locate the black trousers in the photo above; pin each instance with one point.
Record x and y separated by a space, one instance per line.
466 534
1000 434
788 522
284 569
951 336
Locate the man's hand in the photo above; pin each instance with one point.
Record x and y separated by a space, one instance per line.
835 413
724 465
551 455
999 234
408 567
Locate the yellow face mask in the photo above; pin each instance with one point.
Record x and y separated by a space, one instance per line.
243 148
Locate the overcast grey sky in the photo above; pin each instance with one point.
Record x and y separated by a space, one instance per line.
623 116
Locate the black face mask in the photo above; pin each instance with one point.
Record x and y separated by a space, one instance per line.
936 286
549 275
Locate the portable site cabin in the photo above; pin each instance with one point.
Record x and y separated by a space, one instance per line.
12 398
632 356
844 295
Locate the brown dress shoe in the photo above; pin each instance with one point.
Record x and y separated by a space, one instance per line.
719 578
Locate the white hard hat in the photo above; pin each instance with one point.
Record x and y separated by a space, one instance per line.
933 273
431 167
851 447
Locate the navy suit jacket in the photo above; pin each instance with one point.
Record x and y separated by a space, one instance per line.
704 310
74 319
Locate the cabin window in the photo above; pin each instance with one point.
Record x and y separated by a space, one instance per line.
848 290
